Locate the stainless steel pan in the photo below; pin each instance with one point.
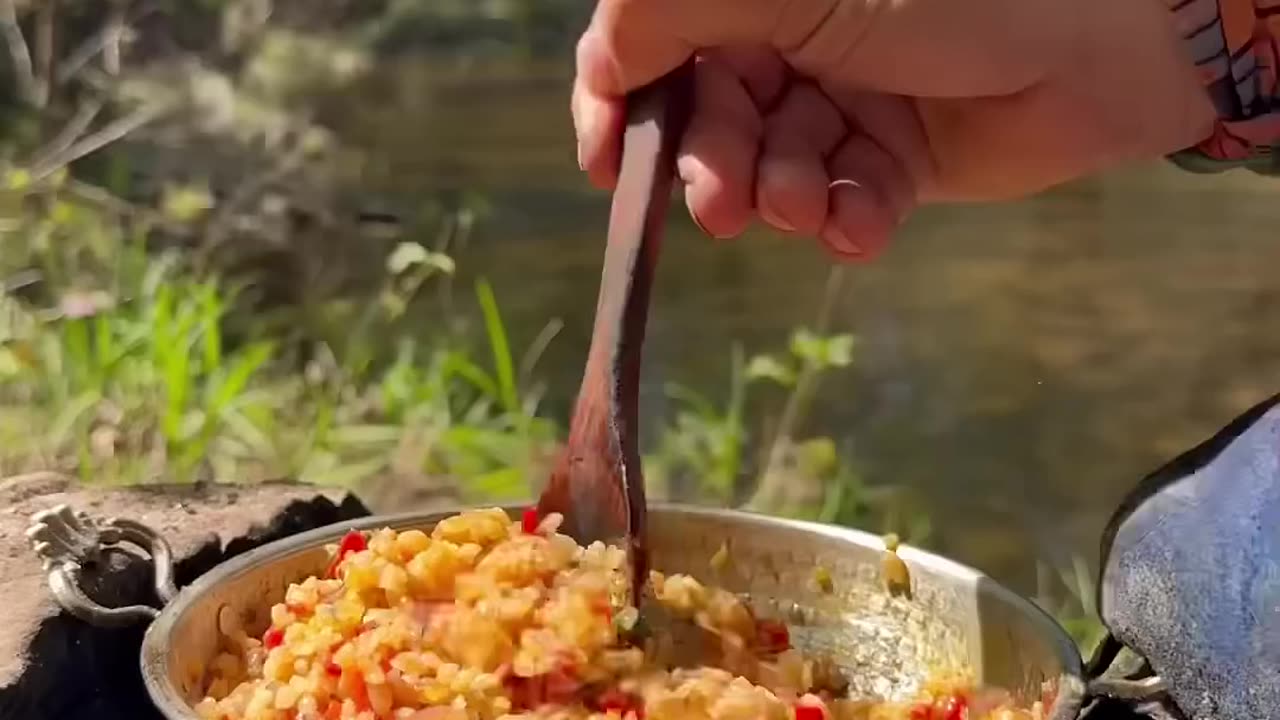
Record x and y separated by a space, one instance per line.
954 618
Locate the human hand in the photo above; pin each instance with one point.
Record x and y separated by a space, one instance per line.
837 118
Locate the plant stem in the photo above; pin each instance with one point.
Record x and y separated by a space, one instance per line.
770 484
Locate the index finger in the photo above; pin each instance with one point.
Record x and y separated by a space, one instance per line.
631 43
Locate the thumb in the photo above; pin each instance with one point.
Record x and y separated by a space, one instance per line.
631 43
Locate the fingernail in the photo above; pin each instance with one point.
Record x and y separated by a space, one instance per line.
774 218
583 135
841 244
698 222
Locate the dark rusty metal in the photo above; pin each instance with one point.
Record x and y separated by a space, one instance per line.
597 483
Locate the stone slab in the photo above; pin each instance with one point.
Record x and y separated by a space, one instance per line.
56 667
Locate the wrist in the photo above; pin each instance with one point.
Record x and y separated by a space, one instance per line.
1233 44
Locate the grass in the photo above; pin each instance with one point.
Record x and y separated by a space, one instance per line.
137 368
141 367
125 367
1069 593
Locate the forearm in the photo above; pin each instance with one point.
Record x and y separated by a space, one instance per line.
1235 45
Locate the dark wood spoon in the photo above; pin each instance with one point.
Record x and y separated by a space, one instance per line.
597 483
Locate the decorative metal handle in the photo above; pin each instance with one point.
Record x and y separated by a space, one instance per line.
1130 680
1147 689
71 542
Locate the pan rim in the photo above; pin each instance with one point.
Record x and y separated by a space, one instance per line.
164 693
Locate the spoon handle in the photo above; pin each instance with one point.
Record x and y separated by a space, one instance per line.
599 485
656 119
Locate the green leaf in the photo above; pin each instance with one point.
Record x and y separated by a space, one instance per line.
804 344
189 427
17 179
394 305
691 399
71 414
503 366
503 484
366 435
186 203
840 351
238 376
457 364
822 351
75 338
410 254
10 366
247 431
345 475
210 327
818 457
405 256
770 367
832 499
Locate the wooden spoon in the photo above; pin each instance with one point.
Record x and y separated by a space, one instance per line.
597 483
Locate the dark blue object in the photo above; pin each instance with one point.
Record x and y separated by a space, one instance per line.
1191 572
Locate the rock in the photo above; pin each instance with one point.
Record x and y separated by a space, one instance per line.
57 667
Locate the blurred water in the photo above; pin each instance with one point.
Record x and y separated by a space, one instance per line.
1022 365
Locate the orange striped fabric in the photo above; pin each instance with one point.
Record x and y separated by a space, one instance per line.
1235 47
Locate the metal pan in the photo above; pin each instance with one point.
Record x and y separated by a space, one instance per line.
953 619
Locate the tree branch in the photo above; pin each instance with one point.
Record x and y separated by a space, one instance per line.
220 224
114 36
108 41
71 132
45 50
113 132
19 54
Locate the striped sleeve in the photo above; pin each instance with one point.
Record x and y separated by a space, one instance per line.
1235 47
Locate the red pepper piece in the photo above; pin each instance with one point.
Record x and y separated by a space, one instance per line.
602 606
562 685
529 521
333 669
333 710
955 707
809 712
359 691
612 699
773 636
923 711
526 693
352 542
620 702
272 638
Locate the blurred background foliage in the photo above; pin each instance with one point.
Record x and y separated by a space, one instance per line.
344 241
